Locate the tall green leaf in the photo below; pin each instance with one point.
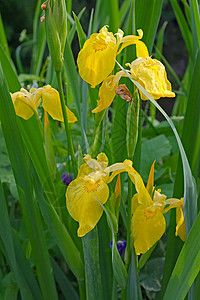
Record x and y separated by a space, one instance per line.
187 266
182 25
92 265
147 16
20 165
11 76
3 40
23 274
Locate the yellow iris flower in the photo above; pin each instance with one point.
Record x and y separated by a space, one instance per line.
96 60
91 183
148 223
26 103
150 73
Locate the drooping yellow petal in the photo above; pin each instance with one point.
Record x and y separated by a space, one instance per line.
180 224
126 166
134 203
106 94
22 108
147 228
151 74
130 40
173 203
82 205
141 50
51 103
25 103
96 60
118 168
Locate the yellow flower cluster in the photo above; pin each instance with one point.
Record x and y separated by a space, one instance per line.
26 103
96 61
148 205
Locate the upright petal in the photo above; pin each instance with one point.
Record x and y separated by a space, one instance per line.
96 60
81 202
150 181
103 160
147 228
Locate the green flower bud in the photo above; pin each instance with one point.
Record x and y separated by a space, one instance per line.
56 31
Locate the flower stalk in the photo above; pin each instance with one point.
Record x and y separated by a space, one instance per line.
67 129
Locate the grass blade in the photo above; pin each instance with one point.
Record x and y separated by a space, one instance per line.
147 16
182 25
11 76
187 266
25 279
3 40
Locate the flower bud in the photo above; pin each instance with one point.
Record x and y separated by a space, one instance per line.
56 30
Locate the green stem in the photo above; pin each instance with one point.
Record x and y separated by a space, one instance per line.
128 239
97 133
67 129
81 285
128 248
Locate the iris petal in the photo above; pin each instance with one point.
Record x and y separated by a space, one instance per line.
147 228
180 224
25 103
96 60
106 94
51 103
151 74
82 205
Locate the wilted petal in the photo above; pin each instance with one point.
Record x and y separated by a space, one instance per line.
152 76
82 205
147 228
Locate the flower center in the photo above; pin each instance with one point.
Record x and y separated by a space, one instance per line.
91 185
99 46
149 213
